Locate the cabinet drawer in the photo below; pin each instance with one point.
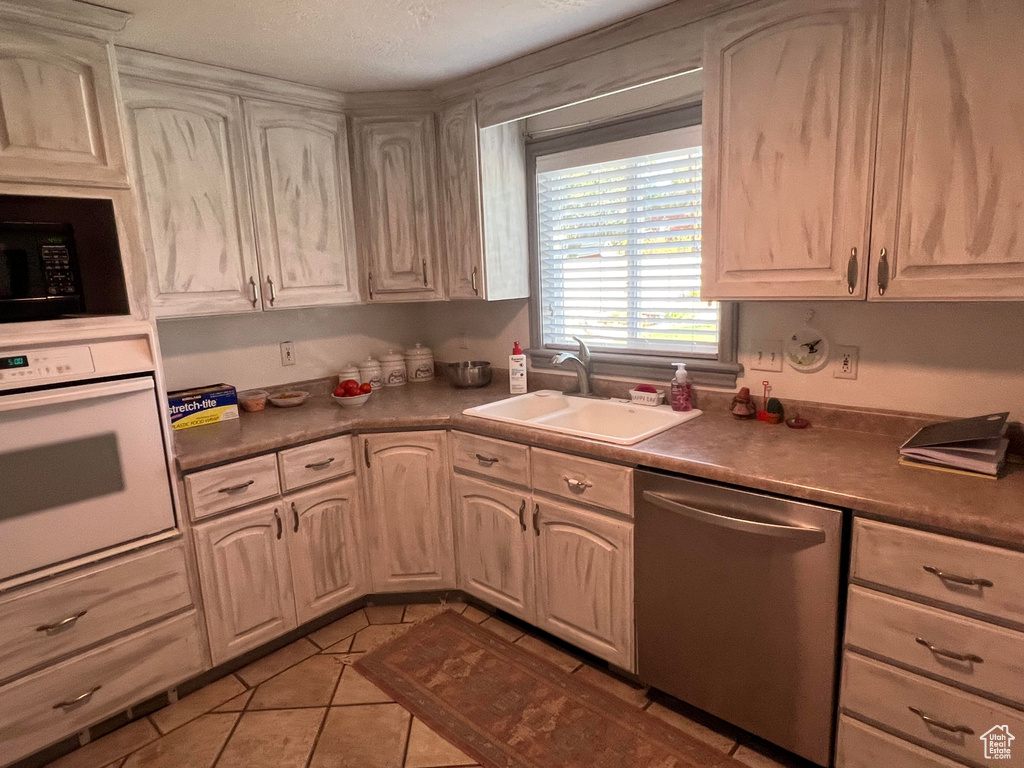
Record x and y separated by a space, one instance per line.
584 480
59 618
316 462
231 486
898 629
861 746
496 459
119 674
884 694
934 566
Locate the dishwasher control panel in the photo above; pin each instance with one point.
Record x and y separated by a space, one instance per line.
43 366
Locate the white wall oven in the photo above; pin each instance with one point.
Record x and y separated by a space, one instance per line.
83 456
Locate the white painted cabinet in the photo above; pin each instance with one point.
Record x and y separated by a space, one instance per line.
584 578
789 111
245 578
325 548
409 514
397 206
305 231
949 188
495 545
58 114
483 183
189 172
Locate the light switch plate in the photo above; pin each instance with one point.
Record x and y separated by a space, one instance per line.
287 353
767 356
846 361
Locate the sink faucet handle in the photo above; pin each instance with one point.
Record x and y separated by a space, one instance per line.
584 351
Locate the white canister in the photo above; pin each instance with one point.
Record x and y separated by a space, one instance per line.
370 371
419 363
392 366
348 372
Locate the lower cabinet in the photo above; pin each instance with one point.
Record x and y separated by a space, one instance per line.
408 492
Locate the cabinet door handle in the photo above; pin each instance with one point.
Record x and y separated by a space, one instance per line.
536 520
295 515
522 515
852 271
273 291
883 272
955 579
484 461
82 698
320 464
366 451
940 724
369 282
476 291
280 527
424 273
255 291
949 654
236 488
577 486
60 626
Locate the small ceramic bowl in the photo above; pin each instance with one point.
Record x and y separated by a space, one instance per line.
253 400
289 399
352 402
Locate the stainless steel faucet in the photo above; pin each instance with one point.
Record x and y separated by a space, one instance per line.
581 362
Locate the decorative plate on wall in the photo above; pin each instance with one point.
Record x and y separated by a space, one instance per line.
807 349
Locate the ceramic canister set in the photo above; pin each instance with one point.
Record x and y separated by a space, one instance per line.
393 369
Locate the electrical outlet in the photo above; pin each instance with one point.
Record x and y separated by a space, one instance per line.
767 356
463 341
846 363
287 353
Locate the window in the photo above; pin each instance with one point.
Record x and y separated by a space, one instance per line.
618 241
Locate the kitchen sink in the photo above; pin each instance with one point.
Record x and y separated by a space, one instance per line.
611 421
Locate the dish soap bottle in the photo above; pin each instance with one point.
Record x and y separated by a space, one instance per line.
517 371
681 395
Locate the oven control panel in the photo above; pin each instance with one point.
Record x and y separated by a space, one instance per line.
41 365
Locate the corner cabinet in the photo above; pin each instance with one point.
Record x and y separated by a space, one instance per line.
397 213
190 181
789 111
483 177
58 111
408 491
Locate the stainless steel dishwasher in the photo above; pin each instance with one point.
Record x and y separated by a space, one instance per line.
737 599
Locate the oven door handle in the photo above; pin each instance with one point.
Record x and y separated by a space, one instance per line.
44 397
776 530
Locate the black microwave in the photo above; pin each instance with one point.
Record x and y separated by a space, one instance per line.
39 277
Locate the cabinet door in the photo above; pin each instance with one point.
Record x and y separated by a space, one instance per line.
244 576
409 514
193 196
395 158
949 192
495 546
324 548
302 196
460 184
789 115
585 580
58 114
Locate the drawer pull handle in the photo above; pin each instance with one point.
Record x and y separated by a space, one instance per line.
295 514
320 464
536 519
80 699
952 577
577 486
236 488
60 626
486 462
280 527
522 515
950 654
928 719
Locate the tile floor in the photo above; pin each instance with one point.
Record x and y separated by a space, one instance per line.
305 706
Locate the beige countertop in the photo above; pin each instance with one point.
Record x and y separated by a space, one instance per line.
856 470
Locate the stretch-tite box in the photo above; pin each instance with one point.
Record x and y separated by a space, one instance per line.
203 405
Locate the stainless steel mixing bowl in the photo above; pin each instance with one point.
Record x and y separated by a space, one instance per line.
469 374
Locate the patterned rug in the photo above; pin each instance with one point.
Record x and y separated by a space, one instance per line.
510 709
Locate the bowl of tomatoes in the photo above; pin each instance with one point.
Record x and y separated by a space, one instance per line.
351 394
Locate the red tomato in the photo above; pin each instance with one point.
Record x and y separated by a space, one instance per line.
365 388
351 388
347 382
339 391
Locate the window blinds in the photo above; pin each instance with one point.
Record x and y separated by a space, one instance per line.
619 243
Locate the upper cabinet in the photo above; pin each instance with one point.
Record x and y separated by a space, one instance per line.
305 231
58 114
397 207
789 111
193 198
949 189
483 178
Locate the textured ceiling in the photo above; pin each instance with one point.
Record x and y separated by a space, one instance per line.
356 45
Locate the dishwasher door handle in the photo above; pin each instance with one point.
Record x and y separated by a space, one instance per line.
792 532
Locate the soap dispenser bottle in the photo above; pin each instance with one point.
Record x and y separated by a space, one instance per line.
681 395
517 371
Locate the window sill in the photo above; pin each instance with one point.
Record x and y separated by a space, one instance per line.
708 373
